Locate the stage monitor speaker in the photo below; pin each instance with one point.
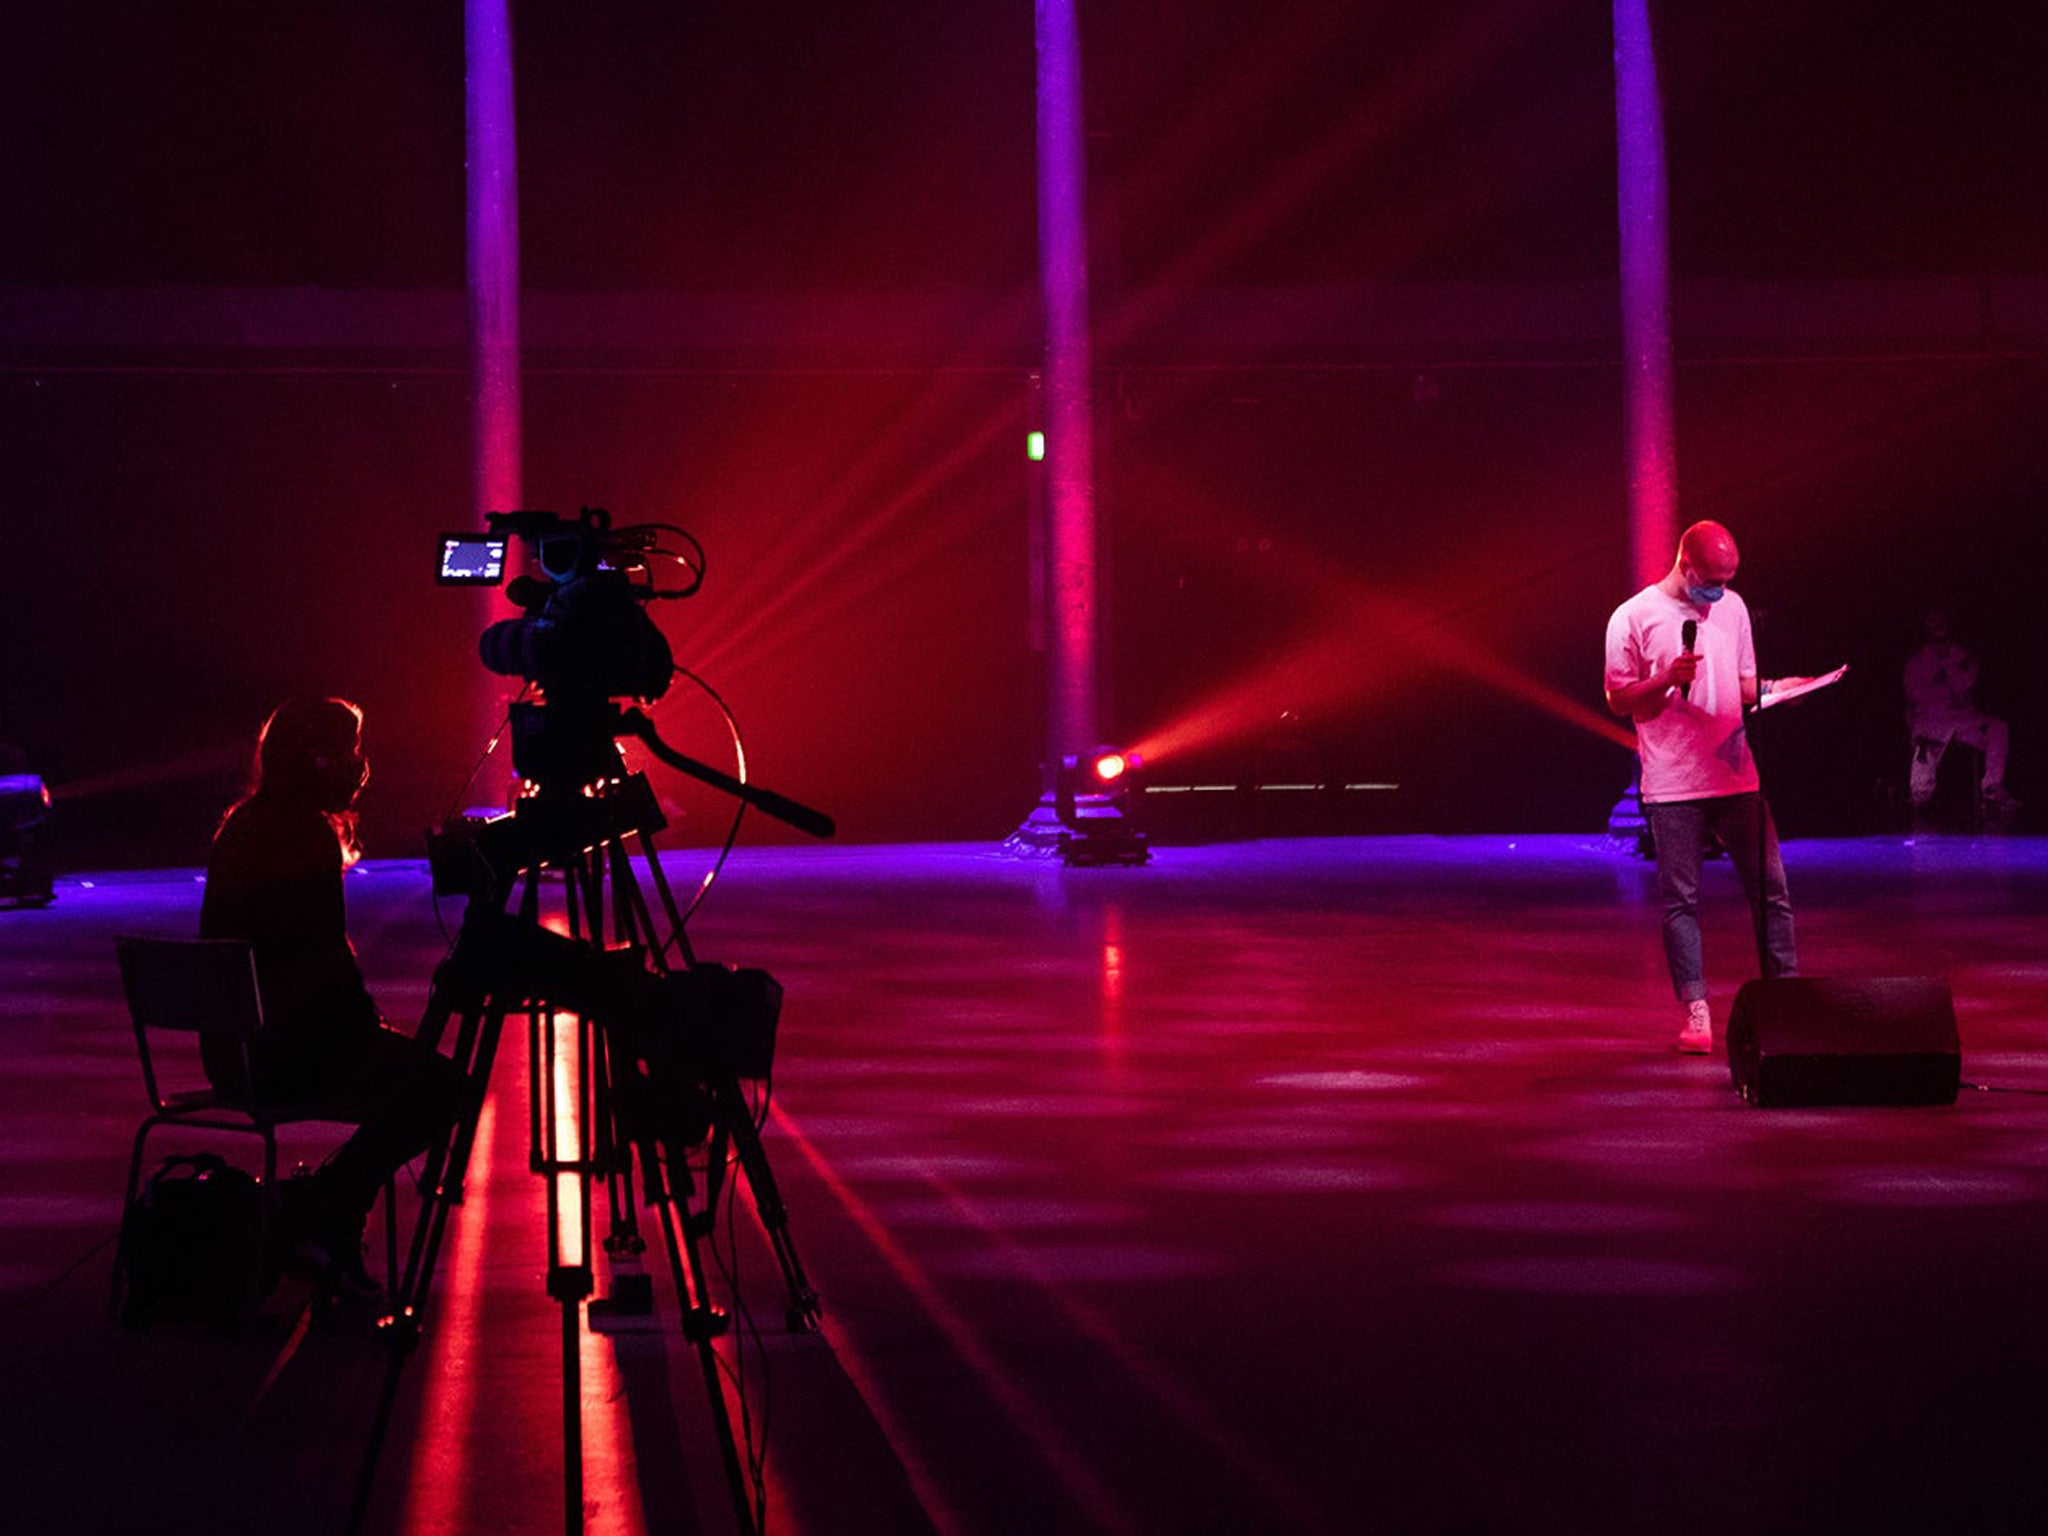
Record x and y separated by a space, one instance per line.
1797 1040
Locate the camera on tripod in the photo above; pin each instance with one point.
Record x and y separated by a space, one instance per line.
586 641
655 1053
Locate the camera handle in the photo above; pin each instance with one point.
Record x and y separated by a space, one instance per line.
635 723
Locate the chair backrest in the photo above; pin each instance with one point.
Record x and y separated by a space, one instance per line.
201 988
196 985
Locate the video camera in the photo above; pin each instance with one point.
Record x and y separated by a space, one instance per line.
584 631
585 638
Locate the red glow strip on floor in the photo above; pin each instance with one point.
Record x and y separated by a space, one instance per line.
611 1483
1067 1466
1114 1042
436 1481
611 1477
571 1245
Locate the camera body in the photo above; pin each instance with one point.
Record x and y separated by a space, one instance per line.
584 637
585 632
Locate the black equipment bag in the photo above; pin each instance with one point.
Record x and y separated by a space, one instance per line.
193 1245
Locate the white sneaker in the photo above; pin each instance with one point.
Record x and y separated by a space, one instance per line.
1697 1038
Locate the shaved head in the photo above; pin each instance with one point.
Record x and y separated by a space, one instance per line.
1710 550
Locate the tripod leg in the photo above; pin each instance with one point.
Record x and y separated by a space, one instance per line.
678 934
703 1322
447 1165
630 1290
734 1120
623 1242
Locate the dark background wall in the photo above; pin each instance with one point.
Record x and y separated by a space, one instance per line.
1360 410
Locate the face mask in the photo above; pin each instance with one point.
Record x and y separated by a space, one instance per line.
1706 597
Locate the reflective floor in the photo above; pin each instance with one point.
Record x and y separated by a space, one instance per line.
1295 1186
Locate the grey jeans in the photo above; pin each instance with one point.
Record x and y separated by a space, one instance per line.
1743 823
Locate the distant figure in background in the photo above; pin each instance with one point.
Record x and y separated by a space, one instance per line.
1940 684
275 880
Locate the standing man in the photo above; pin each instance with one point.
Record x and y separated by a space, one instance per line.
1681 664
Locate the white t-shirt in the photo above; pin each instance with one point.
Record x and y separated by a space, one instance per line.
1692 748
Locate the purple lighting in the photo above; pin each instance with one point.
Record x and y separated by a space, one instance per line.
1069 434
493 255
1645 295
493 288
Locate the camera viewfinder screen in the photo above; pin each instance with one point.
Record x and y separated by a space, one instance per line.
471 559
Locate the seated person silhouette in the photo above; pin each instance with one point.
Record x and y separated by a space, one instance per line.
1940 684
275 880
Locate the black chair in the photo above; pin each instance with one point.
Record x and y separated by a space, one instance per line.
200 990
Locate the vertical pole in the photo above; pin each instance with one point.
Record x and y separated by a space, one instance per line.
1645 296
1069 468
493 228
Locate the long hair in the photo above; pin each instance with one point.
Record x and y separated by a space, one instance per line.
309 753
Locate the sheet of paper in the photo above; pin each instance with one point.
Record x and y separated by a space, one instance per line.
1783 695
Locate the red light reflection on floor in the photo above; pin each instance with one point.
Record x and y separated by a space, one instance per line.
473 1394
610 1477
1066 1462
437 1479
1115 1040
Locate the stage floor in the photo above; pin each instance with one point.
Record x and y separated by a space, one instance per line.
1294 1186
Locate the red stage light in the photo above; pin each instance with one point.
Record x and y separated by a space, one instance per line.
1094 797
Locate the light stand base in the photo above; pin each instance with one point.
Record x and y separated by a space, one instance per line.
1042 832
1097 833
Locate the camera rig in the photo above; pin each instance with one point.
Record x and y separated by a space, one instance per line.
656 1052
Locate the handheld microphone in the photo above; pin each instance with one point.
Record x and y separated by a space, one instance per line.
1688 633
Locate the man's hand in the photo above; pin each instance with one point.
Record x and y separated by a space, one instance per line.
1648 697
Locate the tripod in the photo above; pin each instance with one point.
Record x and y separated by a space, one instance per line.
660 1051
